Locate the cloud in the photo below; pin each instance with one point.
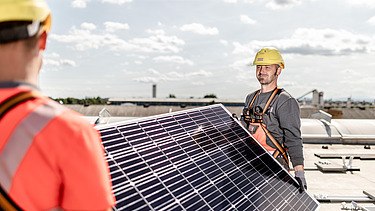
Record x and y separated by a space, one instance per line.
171 76
224 42
153 71
282 4
362 3
88 26
83 3
83 39
114 26
156 32
79 3
173 59
59 62
198 83
200 73
159 42
119 2
199 29
53 62
247 20
371 20
309 41
230 1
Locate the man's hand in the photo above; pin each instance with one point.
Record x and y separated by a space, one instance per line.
300 177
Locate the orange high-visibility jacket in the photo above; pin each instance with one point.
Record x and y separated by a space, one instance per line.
50 157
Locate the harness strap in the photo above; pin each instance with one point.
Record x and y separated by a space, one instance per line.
270 101
275 91
6 203
280 148
252 101
14 100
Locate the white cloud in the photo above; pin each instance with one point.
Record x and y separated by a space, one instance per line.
197 83
156 32
147 80
247 20
199 29
119 2
224 42
88 26
114 26
282 4
173 59
59 62
371 20
308 41
362 3
201 73
230 1
158 43
171 76
153 71
79 3
53 62
68 62
85 40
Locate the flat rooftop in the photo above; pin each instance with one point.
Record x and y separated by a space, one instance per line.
341 184
346 185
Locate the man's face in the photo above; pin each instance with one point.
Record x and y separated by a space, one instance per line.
266 74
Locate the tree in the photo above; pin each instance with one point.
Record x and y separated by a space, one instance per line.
172 96
210 96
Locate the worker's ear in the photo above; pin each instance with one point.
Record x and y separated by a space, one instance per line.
278 71
43 41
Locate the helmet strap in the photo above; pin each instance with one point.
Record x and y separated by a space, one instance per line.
19 32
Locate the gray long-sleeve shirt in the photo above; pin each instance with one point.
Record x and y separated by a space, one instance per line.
282 120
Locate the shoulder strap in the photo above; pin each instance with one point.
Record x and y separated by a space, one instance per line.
14 100
252 100
271 100
280 147
279 90
6 203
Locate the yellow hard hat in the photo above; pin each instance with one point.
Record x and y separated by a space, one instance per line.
267 56
26 10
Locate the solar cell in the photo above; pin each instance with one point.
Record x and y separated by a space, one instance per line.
197 159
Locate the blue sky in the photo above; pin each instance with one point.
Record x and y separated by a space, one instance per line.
190 48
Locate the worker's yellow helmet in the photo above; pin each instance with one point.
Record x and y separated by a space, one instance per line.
26 10
268 56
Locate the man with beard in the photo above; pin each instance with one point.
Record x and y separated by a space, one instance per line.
272 115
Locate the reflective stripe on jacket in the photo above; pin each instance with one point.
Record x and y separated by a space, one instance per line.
51 158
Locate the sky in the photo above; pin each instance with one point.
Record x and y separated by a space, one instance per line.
191 48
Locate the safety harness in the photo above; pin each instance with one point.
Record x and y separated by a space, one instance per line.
6 203
254 121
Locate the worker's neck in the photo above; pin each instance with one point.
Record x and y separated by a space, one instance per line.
267 87
17 66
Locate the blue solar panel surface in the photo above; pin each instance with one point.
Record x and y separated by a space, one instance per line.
197 159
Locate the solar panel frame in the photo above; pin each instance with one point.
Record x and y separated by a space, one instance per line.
195 159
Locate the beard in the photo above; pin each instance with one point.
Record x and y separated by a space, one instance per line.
265 79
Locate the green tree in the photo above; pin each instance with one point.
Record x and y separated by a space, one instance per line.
210 96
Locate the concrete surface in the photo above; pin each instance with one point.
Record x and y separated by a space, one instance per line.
339 184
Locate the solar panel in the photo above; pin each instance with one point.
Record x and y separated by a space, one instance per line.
197 159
